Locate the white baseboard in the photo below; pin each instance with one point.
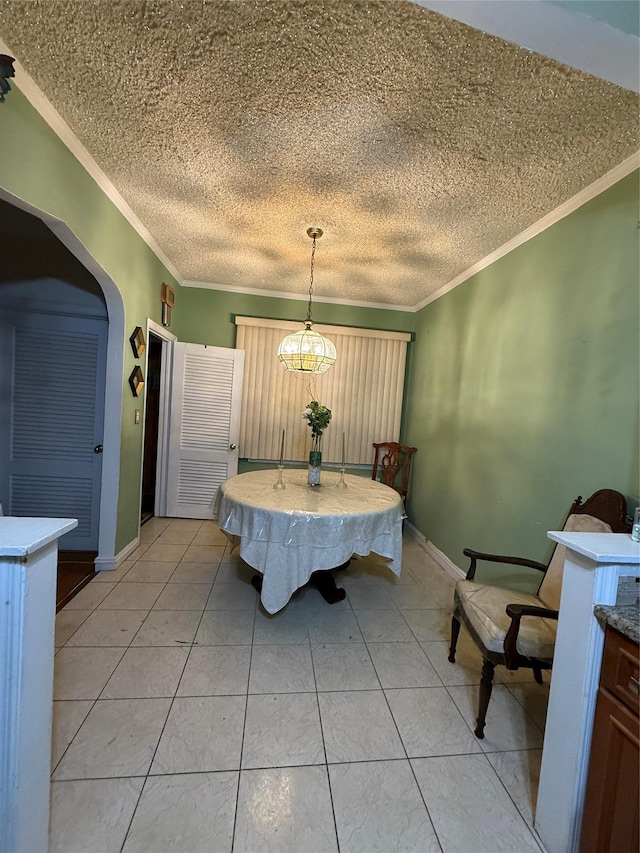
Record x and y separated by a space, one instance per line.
433 551
107 564
442 560
414 533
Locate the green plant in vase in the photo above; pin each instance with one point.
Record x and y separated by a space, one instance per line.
318 418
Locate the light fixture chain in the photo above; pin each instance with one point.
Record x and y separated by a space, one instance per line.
313 263
308 351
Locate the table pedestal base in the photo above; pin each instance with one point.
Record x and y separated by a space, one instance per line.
323 581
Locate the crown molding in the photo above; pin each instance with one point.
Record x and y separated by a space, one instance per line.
55 121
298 297
52 117
631 164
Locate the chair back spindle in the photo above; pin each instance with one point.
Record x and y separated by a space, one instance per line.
392 465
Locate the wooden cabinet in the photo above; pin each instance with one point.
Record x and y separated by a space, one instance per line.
610 820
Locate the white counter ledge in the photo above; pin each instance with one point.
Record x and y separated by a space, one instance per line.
28 573
20 537
601 547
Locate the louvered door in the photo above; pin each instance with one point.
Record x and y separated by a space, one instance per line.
56 421
206 386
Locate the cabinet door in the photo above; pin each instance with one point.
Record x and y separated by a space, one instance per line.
611 804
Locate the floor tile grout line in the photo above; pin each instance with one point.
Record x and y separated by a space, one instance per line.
155 751
146 776
56 649
531 717
455 705
402 688
317 695
244 728
135 809
279 766
530 825
508 792
422 797
324 745
64 752
499 684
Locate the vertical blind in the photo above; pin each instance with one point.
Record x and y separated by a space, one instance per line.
364 391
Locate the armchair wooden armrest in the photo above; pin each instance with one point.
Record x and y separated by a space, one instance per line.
497 558
513 658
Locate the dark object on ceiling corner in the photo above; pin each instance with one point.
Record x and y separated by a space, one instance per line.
6 70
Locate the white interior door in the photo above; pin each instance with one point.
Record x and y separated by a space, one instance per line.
204 426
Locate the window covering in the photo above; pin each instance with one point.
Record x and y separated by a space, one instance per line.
364 390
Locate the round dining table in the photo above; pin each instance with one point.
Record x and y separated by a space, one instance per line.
289 534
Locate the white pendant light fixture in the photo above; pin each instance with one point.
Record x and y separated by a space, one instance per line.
308 351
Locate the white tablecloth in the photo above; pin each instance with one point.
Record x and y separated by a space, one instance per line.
289 533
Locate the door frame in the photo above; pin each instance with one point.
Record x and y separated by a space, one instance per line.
110 480
168 339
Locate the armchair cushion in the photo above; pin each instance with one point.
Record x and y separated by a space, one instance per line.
484 608
551 585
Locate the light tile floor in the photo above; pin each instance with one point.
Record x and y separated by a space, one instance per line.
187 719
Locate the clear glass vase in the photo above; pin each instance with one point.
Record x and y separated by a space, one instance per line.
313 474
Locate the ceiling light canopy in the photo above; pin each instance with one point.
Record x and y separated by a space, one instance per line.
307 351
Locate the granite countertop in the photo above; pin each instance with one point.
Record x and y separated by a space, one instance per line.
623 617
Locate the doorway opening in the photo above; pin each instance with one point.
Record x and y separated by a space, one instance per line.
151 428
112 384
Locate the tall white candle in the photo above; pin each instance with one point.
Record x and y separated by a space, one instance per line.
282 448
343 450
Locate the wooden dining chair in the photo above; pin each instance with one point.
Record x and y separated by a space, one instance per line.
392 465
516 629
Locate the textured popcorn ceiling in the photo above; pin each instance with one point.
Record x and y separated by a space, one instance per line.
418 144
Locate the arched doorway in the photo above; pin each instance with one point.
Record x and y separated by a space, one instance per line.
37 295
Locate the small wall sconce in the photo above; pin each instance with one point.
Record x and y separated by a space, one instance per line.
168 298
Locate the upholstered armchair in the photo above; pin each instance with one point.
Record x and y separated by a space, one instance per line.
517 629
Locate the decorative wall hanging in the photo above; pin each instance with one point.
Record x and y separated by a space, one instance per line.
137 342
308 351
6 70
136 381
168 298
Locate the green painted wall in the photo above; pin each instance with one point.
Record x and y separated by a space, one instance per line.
524 383
207 316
